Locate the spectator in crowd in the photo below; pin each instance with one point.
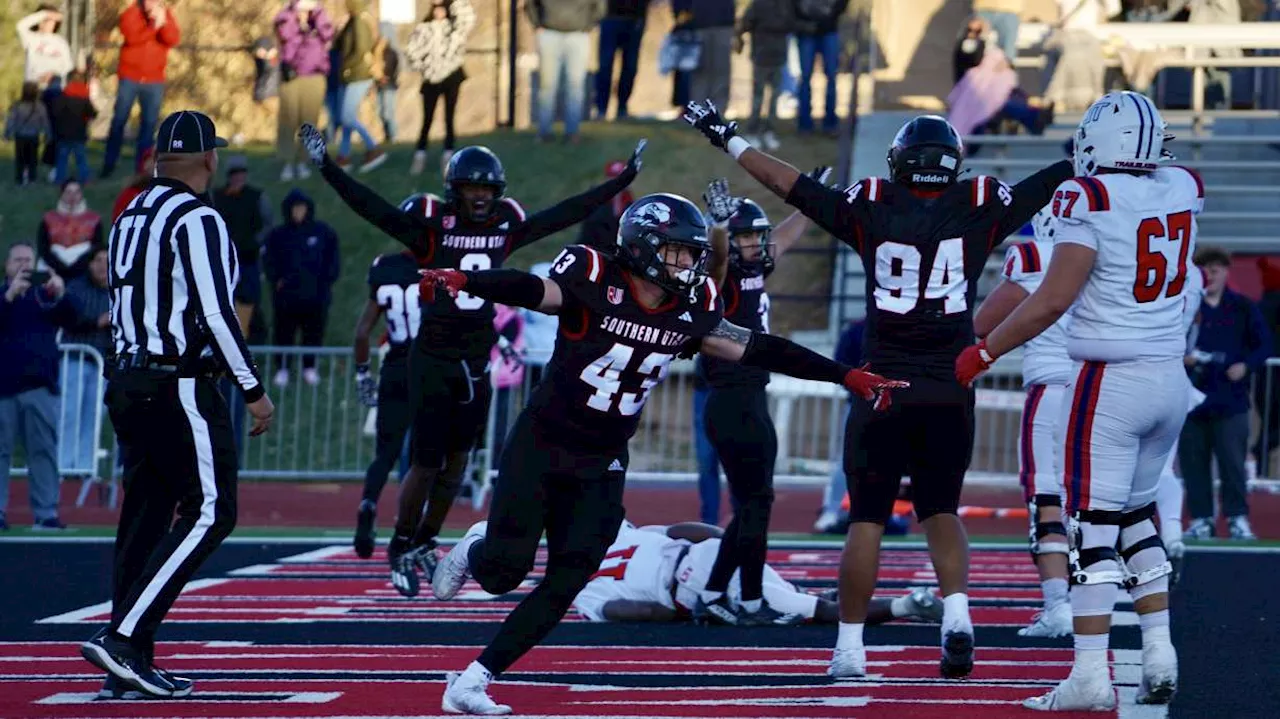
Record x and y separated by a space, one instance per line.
300 258
355 45
150 31
436 50
49 155
82 387
1217 89
1231 342
303 31
989 93
507 359
333 96
1268 404
48 55
136 184
817 25
970 47
770 23
69 233
600 229
714 20
1074 70
29 320
620 31
266 69
1003 17
564 43
834 518
247 212
70 117
681 80
26 122
386 80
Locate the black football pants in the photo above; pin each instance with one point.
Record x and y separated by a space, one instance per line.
179 454
395 414
577 500
739 426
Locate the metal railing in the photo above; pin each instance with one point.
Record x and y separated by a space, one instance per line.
79 437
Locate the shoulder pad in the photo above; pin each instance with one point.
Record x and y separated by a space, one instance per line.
1196 182
1080 195
579 262
513 207
984 190
870 189
1022 259
710 298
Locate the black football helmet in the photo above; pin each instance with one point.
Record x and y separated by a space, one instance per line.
747 219
926 154
664 219
475 165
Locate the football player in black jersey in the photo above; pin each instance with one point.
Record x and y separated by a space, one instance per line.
393 292
737 411
924 237
624 316
473 227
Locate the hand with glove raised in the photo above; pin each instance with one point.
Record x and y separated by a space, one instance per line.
313 141
872 387
705 118
720 204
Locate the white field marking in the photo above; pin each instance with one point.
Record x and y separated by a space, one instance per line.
77 616
64 698
315 555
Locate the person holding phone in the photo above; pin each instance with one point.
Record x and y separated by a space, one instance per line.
33 309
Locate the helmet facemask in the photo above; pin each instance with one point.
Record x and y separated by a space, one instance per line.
752 251
663 266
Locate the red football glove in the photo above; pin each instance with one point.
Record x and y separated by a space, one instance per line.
451 280
973 361
872 387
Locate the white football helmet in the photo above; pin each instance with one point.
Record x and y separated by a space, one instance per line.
1121 131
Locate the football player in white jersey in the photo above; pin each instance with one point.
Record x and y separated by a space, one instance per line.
1046 370
654 574
1124 230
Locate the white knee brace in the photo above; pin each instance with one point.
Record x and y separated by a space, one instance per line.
1040 530
1147 566
1093 559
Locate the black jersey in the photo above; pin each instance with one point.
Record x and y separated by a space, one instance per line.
438 236
393 286
611 351
746 304
923 256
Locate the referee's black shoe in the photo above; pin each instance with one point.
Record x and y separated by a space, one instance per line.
127 665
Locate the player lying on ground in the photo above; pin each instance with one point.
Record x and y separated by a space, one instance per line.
624 316
923 237
475 227
657 574
1124 229
737 417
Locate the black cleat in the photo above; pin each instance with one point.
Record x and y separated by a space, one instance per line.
957 655
767 616
126 664
182 686
427 558
717 612
365 537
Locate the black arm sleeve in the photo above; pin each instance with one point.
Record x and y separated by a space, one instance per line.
1030 195
569 212
409 230
507 287
840 213
786 357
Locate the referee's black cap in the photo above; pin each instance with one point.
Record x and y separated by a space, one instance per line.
187 131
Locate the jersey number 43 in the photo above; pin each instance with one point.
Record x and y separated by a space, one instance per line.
898 277
606 376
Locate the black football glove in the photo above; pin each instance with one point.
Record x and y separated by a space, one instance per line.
821 174
720 204
706 119
635 163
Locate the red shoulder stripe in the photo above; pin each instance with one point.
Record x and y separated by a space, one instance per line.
1095 193
1032 259
712 293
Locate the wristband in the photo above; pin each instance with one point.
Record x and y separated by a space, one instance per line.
736 146
985 355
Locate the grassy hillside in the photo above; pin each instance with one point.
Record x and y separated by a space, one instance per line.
677 160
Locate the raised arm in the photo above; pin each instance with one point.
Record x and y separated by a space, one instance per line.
508 287
1031 194
718 267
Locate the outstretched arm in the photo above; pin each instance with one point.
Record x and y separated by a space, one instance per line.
634 610
508 287
1002 301
1031 194
718 266
788 233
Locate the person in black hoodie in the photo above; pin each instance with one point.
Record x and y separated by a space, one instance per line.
300 259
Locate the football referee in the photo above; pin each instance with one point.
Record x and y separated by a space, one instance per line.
173 270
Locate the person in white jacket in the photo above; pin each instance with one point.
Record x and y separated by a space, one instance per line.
47 53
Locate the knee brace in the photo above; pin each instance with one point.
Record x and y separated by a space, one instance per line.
1146 563
1093 558
1040 530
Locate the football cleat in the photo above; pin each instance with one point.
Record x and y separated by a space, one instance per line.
715 612
1177 553
957 655
767 616
1056 622
462 696
452 571
924 605
1159 674
365 537
427 558
404 573
1077 693
1199 529
848 663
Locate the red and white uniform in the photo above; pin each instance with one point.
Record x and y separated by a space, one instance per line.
695 569
1128 393
1046 370
640 565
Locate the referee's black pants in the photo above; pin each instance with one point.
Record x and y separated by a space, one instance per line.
740 428
179 455
576 496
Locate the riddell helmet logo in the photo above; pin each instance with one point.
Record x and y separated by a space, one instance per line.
917 177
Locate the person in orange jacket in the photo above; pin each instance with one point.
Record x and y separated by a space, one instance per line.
150 30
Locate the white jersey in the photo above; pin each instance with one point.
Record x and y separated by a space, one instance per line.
640 565
1044 357
1144 231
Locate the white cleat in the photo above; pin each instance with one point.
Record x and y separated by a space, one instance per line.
1054 622
1176 550
1077 693
924 605
1159 674
467 697
452 571
848 663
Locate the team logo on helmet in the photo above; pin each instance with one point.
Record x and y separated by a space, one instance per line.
654 214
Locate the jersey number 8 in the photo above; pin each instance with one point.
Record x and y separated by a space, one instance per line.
474 262
1153 266
605 374
898 277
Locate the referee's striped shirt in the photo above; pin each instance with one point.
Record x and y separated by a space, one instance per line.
173 269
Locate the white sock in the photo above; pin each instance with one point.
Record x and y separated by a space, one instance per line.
1091 653
900 606
476 674
709 596
1155 627
752 605
850 636
955 614
1055 592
